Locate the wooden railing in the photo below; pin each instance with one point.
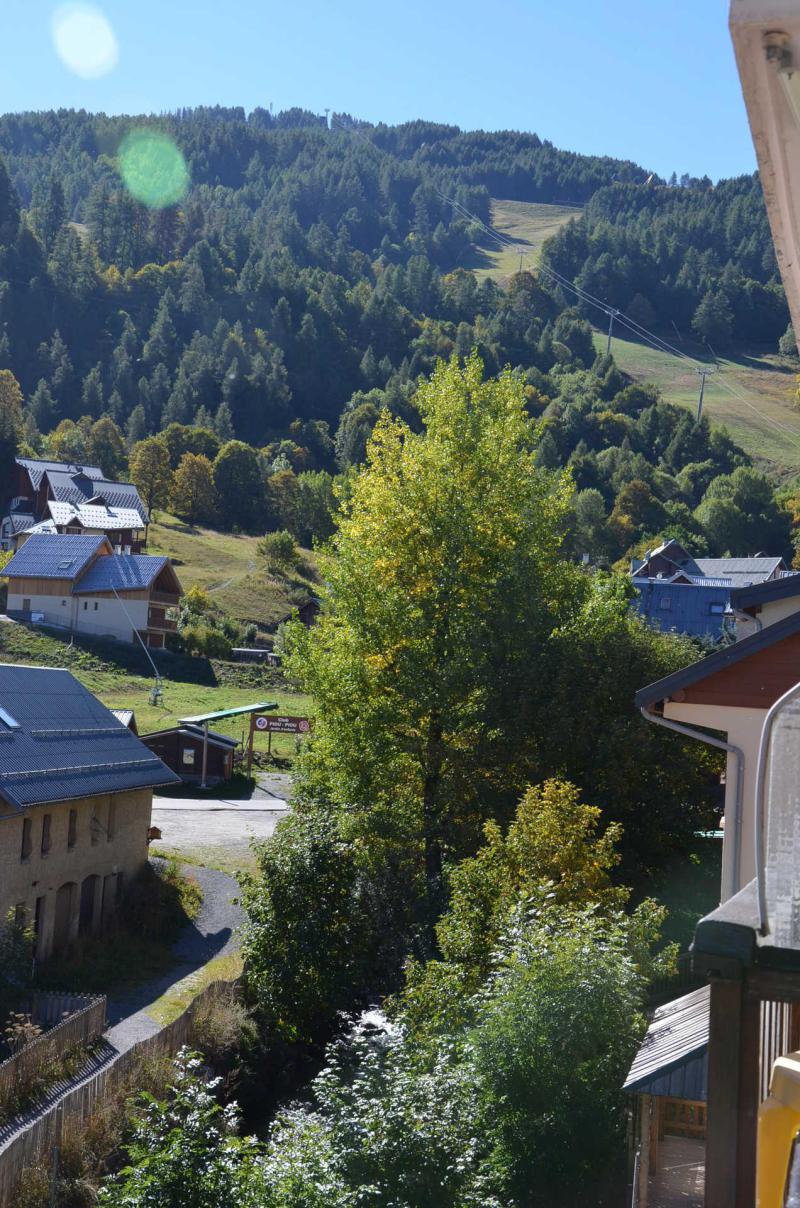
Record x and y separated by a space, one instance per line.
84 1027
31 1145
164 623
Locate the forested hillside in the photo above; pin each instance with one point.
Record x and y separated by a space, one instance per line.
308 275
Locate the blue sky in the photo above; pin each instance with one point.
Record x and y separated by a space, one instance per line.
653 82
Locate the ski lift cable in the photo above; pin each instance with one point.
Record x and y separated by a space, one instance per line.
638 329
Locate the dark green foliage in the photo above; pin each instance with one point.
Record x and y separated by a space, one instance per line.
696 256
239 484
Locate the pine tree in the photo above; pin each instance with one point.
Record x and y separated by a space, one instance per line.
42 407
52 213
223 422
9 208
136 427
160 346
369 368
92 393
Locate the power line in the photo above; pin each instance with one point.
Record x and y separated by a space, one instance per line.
614 314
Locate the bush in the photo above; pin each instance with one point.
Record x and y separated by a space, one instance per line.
279 550
250 634
321 935
197 600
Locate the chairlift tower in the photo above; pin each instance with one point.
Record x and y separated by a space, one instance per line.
703 372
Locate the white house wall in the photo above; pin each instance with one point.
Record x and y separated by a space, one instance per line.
742 728
102 616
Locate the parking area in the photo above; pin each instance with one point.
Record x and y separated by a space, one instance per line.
218 831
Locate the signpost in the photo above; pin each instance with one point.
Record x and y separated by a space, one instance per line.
270 724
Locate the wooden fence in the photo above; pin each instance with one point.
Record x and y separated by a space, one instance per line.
83 1027
32 1145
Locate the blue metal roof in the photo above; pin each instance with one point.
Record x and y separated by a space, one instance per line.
683 607
53 556
673 1057
120 572
58 743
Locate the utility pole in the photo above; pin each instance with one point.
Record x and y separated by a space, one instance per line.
703 373
612 314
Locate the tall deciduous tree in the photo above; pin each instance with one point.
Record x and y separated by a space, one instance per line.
106 448
149 468
444 577
10 422
240 485
193 496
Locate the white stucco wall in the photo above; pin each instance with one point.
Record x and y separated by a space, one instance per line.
108 619
778 609
742 728
57 610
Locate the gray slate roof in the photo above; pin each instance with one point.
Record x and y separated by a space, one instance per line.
122 572
740 571
58 743
81 488
37 469
673 1057
53 556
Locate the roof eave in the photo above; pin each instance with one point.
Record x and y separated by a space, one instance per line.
662 689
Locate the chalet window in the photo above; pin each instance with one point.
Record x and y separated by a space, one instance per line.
72 829
188 757
96 605
716 609
85 605
63 603
94 828
666 603
27 827
46 821
112 819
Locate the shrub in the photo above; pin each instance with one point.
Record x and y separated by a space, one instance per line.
279 550
197 600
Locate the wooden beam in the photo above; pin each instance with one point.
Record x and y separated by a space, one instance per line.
724 1044
749 1100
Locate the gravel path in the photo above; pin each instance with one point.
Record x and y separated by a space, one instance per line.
210 935
220 829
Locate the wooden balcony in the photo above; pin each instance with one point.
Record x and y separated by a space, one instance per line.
165 597
164 624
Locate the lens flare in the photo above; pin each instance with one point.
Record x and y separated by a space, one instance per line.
153 168
84 40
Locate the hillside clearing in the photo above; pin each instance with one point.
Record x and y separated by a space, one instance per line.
231 570
529 224
765 421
